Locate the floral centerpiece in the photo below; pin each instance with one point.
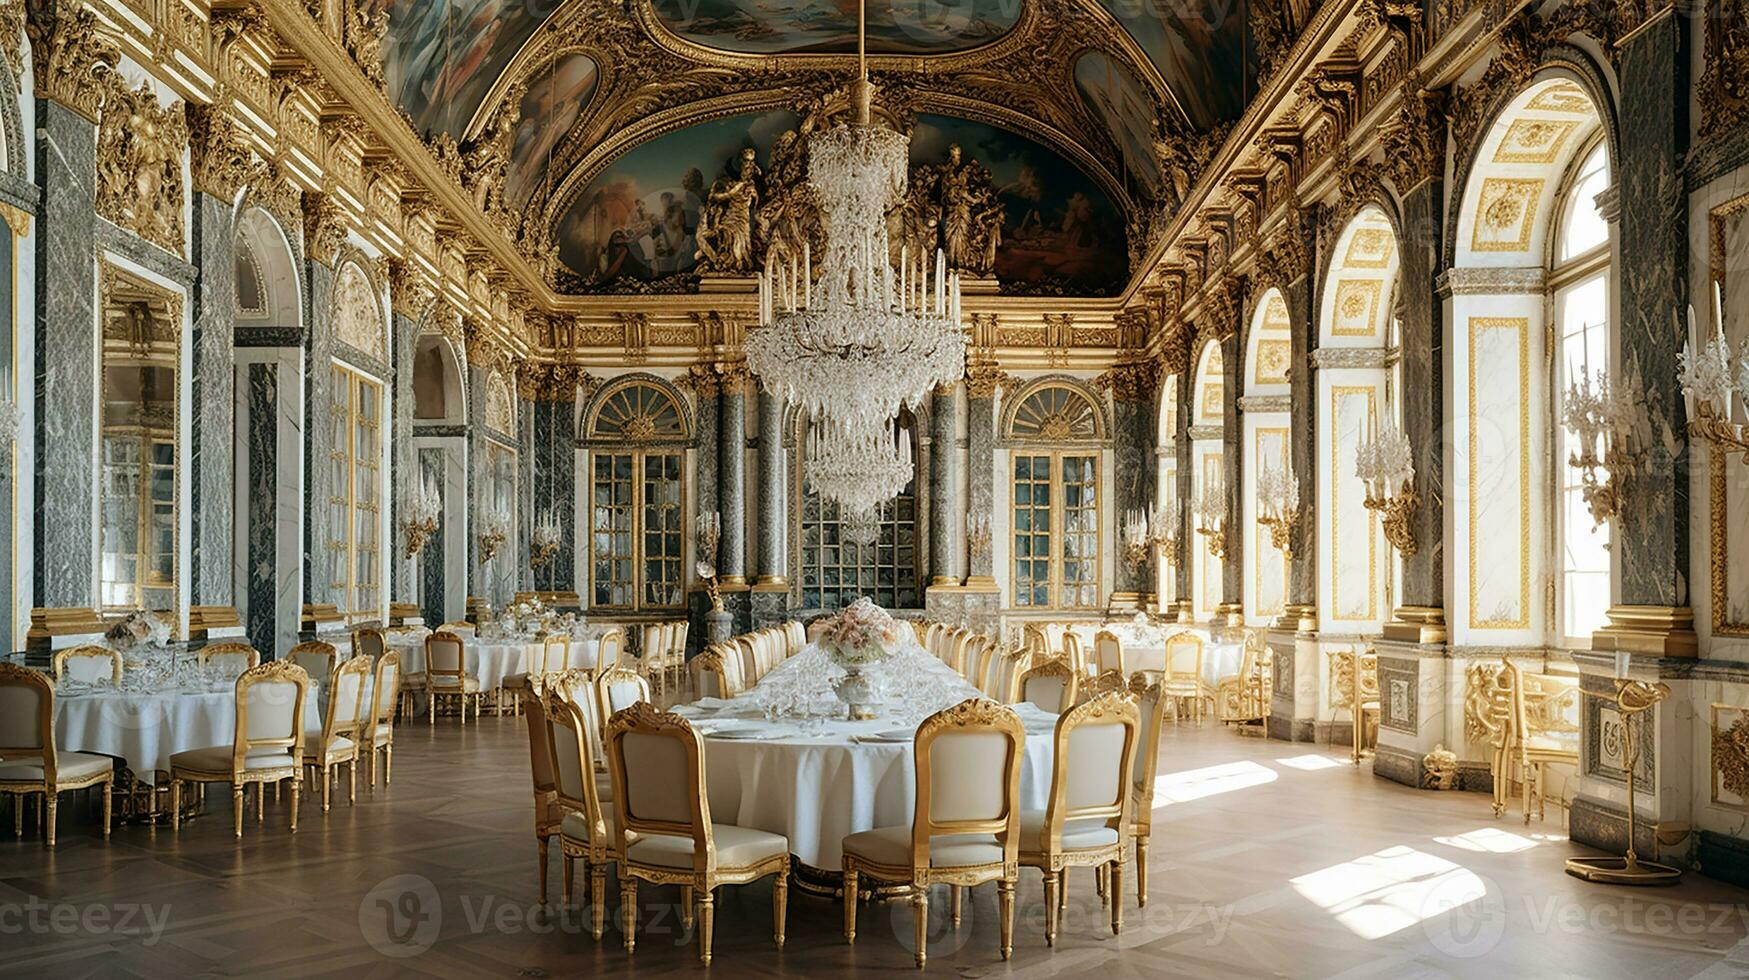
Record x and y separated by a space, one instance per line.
860 635
138 628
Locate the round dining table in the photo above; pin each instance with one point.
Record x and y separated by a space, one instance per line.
144 729
1219 660
493 660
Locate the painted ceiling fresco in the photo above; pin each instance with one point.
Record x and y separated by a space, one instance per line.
1199 50
633 226
555 98
442 56
792 26
1117 98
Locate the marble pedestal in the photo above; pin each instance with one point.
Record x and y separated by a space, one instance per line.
1293 702
1664 777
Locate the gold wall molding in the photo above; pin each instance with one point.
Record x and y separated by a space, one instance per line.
324 230
71 55
139 164
1520 326
220 163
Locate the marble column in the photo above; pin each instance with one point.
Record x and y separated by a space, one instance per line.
1186 576
319 434
773 547
1233 468
1653 556
66 357
554 488
705 457
943 480
474 462
432 604
1421 615
403 462
1133 490
732 483
1302 590
211 575
981 475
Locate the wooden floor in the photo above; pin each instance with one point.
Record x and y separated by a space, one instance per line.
1269 859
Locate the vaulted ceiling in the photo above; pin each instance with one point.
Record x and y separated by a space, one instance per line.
615 103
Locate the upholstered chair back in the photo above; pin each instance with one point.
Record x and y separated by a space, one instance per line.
571 746
443 656
540 750
369 642
27 705
270 709
717 672
230 658
650 642
1095 745
677 643
1049 685
609 648
317 658
748 655
1184 656
345 697
386 688
1150 700
556 651
657 762
88 664
1075 653
968 774
619 689
1108 651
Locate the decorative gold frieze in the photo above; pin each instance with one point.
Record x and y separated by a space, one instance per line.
365 31
984 377
72 56
139 164
1414 142
323 228
1131 381
539 382
219 163
12 36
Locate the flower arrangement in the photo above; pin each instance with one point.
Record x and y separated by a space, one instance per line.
862 633
136 628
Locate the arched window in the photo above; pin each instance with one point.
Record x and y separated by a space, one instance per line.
355 521
1208 468
1055 430
1580 281
636 506
837 569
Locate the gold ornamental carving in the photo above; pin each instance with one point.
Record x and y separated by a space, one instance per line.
364 41
72 56
12 36
139 165
323 230
1132 382
1724 78
219 163
985 377
539 382
1414 142
1730 757
1487 704
410 293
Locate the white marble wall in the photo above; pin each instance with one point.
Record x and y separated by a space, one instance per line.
287 568
1353 559
1208 463
1265 567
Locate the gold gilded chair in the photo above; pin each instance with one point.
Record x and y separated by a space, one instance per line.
32 765
378 734
716 673
343 725
1035 641
586 830
652 641
657 761
369 642
609 648
1076 654
88 664
269 745
1108 652
1541 733
1244 697
549 813
1183 679
1104 682
446 676
618 689
1489 709
1050 685
318 660
1151 707
1355 687
1005 674
744 650
1087 818
965 829
231 657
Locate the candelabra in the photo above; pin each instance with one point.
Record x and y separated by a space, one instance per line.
710 533
1211 515
1602 420
1711 386
494 531
422 507
544 542
978 535
1138 538
1168 519
1278 500
1385 462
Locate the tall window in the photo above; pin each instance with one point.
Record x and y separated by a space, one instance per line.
355 508
636 505
1054 499
1581 308
837 569
139 487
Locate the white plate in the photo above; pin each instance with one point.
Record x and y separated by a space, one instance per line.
741 734
896 735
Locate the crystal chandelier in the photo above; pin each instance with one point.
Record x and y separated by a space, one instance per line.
1385 462
869 338
858 469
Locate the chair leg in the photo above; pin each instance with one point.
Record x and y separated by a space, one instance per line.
779 905
237 810
688 904
628 901
175 804
953 893
327 787
1005 899
1116 890
540 844
296 787
352 781
920 921
1099 883
1141 872
850 905
1063 890
388 763
108 805
598 898
707 918
51 802
1051 879
260 803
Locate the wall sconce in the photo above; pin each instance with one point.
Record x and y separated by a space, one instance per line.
1383 461
1603 417
1710 385
978 535
1168 519
1210 508
494 531
709 528
544 542
1278 502
421 508
1138 540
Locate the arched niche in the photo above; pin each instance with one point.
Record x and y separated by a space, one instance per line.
266 273
1264 446
438 395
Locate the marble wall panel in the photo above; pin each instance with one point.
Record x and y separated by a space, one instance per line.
1355 562
1265 567
319 573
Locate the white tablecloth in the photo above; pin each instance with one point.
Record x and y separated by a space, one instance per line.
144 729
494 660
1219 660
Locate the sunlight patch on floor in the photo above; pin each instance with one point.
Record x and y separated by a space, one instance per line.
1391 890
1195 784
1491 840
1311 762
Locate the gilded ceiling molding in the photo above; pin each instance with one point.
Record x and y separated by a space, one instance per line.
139 164
544 382
71 54
1131 381
364 33
1724 77
219 162
323 228
1414 142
